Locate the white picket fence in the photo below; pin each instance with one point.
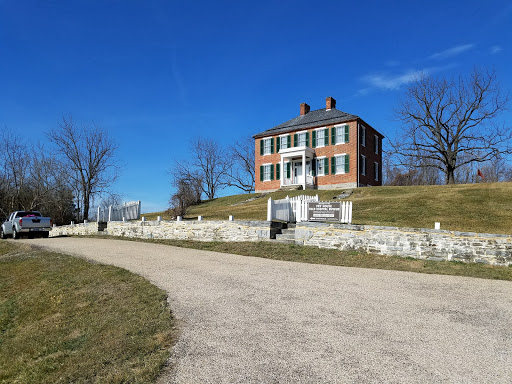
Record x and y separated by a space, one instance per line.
295 209
125 211
290 209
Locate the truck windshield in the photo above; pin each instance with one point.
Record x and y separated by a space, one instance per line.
27 214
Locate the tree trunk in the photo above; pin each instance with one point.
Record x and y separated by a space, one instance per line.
450 177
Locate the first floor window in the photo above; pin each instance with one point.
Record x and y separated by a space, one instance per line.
267 172
376 171
363 165
320 167
340 164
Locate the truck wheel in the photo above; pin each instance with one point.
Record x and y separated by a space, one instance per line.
3 236
46 235
15 234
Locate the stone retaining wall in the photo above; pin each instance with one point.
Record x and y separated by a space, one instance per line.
182 230
428 244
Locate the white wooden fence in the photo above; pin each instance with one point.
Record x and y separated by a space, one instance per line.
126 211
295 209
290 209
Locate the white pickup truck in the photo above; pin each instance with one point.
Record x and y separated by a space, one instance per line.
28 223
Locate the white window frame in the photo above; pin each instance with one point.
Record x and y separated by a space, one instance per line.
377 149
376 170
341 127
363 165
323 138
266 171
299 134
285 137
320 160
362 134
265 141
340 170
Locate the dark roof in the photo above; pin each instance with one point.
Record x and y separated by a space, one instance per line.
311 119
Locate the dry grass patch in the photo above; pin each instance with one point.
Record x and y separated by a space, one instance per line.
66 320
484 207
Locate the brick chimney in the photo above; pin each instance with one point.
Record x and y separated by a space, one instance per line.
304 108
330 103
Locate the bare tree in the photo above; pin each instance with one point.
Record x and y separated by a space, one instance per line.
208 168
241 172
90 155
450 123
186 195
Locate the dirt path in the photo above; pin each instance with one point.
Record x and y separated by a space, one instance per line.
248 319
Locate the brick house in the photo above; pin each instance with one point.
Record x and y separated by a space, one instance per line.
321 149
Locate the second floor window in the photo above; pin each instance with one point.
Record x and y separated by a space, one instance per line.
340 135
267 147
301 139
284 142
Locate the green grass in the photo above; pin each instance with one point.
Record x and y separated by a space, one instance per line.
66 320
314 255
484 207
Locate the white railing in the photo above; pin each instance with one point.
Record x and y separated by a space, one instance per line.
289 209
125 211
346 212
295 209
290 181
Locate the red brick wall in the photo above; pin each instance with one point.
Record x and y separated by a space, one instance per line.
328 151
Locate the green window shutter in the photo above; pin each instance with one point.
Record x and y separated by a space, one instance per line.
326 136
333 136
347 164
326 164
288 170
295 139
313 145
261 172
313 167
271 171
272 145
261 147
278 144
278 171
307 139
289 141
333 165
346 133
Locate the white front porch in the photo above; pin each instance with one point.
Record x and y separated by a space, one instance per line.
296 166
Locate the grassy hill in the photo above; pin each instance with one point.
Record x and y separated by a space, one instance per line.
485 207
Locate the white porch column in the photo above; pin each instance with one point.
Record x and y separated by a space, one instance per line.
304 170
283 174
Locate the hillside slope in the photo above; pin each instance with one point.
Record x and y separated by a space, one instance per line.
485 207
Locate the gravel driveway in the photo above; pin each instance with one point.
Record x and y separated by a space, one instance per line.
252 320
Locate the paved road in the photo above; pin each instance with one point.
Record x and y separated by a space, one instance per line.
251 320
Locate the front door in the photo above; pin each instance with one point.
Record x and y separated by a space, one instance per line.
297 173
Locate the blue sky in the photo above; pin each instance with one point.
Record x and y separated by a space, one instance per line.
156 74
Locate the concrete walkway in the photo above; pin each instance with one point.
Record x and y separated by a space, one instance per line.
251 320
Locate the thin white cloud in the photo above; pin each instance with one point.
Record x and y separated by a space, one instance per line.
452 52
496 49
392 82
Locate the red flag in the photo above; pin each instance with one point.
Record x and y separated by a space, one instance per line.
479 173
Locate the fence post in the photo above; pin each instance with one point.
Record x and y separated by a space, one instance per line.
270 207
350 212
